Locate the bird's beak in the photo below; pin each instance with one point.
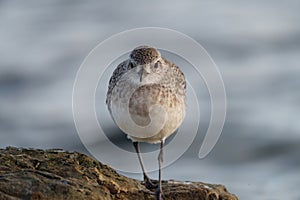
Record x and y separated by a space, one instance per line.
144 71
141 74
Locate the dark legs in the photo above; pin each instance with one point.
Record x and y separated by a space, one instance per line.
147 180
160 161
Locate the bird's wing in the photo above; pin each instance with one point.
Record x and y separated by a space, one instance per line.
180 81
120 70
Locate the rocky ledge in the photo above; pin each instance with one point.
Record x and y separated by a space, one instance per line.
56 174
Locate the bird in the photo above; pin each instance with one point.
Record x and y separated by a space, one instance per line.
147 89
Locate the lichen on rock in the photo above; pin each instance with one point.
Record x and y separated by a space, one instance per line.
58 174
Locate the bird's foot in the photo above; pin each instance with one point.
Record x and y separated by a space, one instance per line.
148 183
159 194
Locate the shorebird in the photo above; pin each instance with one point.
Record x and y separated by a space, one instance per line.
146 98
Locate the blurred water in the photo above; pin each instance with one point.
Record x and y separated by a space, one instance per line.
256 45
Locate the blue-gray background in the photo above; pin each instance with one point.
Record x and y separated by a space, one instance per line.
256 45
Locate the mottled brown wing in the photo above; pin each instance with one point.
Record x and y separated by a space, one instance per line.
179 79
121 69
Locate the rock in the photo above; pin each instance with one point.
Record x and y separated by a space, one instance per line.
56 174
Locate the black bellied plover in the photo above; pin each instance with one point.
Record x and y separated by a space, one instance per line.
147 99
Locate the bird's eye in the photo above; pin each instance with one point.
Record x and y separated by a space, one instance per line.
156 65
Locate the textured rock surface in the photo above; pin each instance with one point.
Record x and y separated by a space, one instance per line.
55 174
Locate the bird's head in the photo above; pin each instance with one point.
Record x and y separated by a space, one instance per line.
147 60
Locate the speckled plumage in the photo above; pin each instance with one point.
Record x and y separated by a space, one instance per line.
144 55
147 91
163 84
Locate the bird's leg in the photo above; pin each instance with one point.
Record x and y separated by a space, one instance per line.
160 161
147 180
